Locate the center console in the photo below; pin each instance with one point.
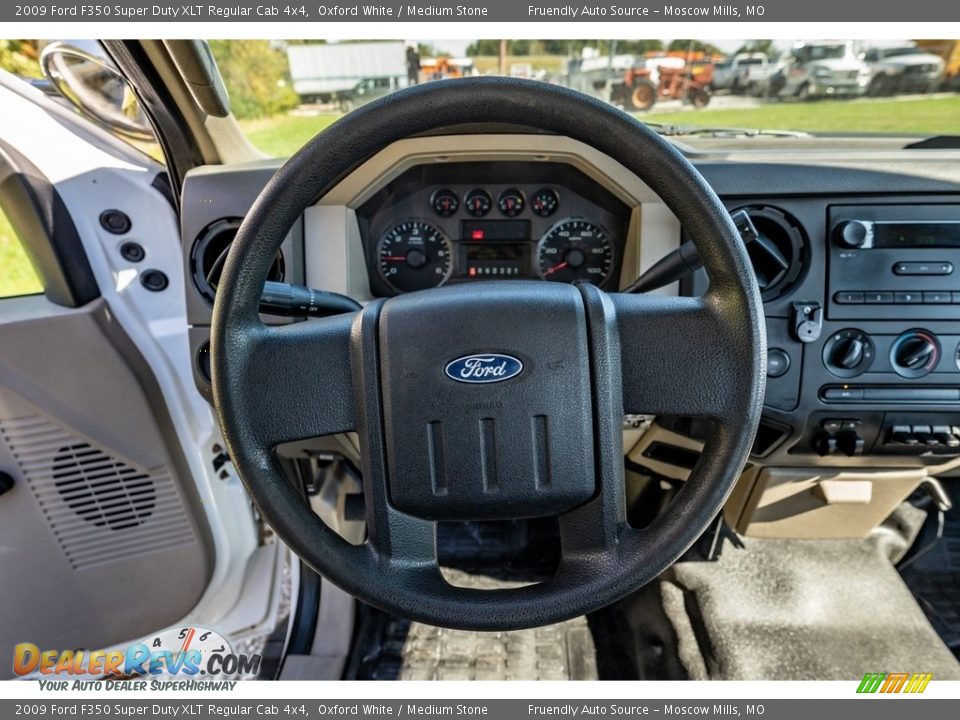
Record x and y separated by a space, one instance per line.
893 284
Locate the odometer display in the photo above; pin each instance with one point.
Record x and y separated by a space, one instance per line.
575 250
414 255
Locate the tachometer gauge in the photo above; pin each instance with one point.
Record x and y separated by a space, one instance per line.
575 250
414 255
545 202
511 202
445 202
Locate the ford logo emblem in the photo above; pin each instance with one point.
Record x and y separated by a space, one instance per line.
485 368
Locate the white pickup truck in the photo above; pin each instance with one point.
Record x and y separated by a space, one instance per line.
741 73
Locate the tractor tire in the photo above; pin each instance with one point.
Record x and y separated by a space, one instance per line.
698 97
643 95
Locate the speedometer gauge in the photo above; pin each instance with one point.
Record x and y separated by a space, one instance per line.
414 255
575 250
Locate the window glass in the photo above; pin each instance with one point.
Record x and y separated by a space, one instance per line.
17 276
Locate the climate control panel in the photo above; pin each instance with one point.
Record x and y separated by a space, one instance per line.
913 354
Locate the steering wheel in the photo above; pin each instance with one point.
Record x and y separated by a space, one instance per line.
493 400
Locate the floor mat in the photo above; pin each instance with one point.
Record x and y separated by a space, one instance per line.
934 576
402 650
483 555
796 610
801 610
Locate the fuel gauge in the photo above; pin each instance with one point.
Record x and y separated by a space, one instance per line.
545 202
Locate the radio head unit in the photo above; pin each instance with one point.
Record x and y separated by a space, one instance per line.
894 262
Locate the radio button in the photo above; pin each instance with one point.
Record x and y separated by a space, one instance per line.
923 268
908 298
936 298
878 298
845 297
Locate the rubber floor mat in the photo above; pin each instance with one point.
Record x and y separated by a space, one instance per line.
934 577
398 649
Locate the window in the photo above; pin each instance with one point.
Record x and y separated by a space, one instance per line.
17 276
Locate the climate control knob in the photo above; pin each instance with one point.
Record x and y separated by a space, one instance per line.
915 353
848 353
851 234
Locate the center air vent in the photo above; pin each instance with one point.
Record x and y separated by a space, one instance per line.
210 253
778 256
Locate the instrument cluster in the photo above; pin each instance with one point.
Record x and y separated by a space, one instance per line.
457 223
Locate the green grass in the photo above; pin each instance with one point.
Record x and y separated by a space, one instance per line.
16 273
282 135
939 116
551 63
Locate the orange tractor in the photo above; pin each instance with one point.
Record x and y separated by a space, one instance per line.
689 81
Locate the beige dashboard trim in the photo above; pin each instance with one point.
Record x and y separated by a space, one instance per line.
332 252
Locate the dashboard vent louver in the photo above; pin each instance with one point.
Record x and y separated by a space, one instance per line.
209 253
778 255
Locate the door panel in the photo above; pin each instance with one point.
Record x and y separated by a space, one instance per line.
99 541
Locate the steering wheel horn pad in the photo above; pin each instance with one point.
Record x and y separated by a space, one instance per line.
490 400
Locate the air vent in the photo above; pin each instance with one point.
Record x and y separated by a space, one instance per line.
210 253
779 254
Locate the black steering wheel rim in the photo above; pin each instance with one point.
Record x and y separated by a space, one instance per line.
322 377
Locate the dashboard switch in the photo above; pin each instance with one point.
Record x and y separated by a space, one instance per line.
850 443
903 435
778 362
825 444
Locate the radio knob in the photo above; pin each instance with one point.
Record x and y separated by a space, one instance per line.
851 234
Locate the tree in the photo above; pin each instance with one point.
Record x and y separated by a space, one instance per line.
257 77
759 46
694 46
20 57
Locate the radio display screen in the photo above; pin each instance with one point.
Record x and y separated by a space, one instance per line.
916 235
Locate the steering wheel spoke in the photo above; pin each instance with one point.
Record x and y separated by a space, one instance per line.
301 377
677 358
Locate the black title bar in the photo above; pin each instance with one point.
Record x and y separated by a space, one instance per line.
479 11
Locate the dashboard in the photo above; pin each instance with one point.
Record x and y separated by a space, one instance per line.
859 268
469 222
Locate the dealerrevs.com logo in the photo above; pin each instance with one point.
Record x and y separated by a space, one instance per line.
184 651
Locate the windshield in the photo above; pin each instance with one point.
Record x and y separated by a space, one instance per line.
284 92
